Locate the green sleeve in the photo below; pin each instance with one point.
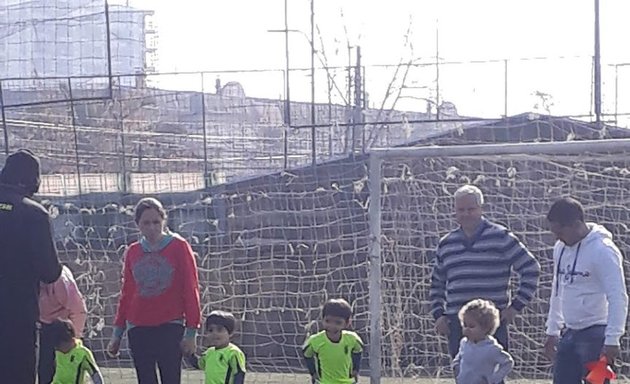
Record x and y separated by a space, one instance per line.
89 363
308 349
357 343
237 362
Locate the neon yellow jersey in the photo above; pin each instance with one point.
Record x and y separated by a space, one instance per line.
221 365
71 367
333 360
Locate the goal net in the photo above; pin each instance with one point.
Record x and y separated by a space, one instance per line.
274 248
412 207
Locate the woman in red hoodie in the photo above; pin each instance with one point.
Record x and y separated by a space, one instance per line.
159 300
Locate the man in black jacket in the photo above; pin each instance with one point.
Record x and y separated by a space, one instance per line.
27 257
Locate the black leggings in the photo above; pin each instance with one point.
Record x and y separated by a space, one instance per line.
46 363
157 346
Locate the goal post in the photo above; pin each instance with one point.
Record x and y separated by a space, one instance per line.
410 208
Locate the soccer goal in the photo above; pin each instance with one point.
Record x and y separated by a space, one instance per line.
411 198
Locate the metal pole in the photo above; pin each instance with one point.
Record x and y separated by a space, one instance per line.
287 108
206 176
616 92
4 122
76 138
505 88
437 71
349 135
109 50
125 186
598 69
358 95
525 149
376 275
313 111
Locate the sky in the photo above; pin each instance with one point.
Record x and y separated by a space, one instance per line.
216 35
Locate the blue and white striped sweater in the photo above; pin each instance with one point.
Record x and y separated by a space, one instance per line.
480 267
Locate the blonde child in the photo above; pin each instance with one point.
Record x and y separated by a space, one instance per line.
481 359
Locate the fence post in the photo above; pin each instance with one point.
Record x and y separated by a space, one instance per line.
76 139
206 176
121 125
4 122
375 273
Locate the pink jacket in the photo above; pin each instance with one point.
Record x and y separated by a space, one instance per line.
62 300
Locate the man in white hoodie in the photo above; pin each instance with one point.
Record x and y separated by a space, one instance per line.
588 303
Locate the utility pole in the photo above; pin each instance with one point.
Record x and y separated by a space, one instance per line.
437 71
313 111
287 108
357 117
597 70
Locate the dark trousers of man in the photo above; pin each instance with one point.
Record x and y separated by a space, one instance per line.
575 349
46 363
18 346
455 335
157 346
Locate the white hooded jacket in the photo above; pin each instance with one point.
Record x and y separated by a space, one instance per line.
589 286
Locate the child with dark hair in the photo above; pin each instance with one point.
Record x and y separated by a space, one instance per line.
223 362
73 359
333 356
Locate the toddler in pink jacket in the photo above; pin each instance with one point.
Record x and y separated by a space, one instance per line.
59 300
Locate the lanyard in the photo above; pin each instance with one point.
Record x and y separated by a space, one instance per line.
577 253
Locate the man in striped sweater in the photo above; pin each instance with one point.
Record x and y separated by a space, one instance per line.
476 261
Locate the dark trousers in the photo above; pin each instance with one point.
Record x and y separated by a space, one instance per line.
18 346
455 335
46 363
157 346
575 349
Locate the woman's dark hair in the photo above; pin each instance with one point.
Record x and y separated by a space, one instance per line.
148 203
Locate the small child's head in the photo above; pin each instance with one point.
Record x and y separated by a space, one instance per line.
220 327
336 315
479 318
62 335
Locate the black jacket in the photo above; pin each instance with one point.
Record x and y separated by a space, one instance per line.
27 257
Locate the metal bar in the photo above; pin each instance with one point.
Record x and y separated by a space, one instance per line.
35 103
505 88
313 110
616 93
287 108
109 50
461 120
121 124
4 122
548 148
597 69
206 176
76 138
357 112
376 275
437 71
